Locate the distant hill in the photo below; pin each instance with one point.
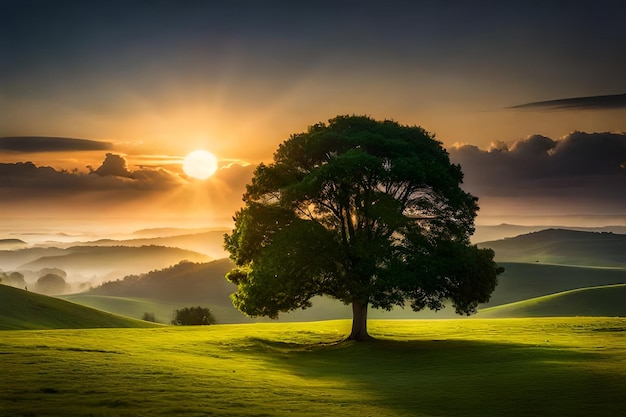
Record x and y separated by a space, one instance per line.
188 284
607 301
204 284
185 281
12 259
504 230
12 244
184 284
132 306
119 261
210 243
565 247
23 310
174 231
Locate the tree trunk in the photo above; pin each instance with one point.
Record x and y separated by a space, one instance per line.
359 322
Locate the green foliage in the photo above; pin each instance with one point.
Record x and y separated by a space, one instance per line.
193 316
364 211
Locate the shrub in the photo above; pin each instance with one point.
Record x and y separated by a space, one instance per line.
193 316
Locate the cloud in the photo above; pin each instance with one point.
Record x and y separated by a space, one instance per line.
113 190
580 169
113 175
614 101
31 144
113 165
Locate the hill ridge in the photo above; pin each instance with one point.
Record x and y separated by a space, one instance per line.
23 310
562 247
600 301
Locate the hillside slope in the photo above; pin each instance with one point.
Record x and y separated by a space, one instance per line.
565 247
185 281
605 301
23 310
485 233
184 284
521 281
135 307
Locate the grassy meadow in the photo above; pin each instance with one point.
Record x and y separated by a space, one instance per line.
476 367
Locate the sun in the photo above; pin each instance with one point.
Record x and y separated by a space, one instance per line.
200 164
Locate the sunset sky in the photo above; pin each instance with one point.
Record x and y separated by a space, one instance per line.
529 97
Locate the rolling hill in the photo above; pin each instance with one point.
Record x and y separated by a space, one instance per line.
606 301
23 310
521 281
114 261
564 247
12 244
203 284
12 259
187 283
135 307
485 233
182 285
209 243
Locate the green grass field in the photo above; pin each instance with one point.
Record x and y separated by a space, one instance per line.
503 367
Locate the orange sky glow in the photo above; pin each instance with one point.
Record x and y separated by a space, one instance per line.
174 79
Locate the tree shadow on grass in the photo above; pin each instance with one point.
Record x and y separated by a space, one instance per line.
459 377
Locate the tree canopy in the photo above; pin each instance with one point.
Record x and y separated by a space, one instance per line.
368 212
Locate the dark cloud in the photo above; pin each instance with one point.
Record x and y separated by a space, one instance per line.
30 144
587 168
26 178
236 176
116 191
114 165
614 101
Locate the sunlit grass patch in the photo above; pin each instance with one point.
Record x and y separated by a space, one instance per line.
517 367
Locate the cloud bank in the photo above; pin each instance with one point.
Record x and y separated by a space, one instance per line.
26 178
32 144
614 101
115 190
579 170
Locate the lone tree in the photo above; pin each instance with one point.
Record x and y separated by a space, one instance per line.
368 212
